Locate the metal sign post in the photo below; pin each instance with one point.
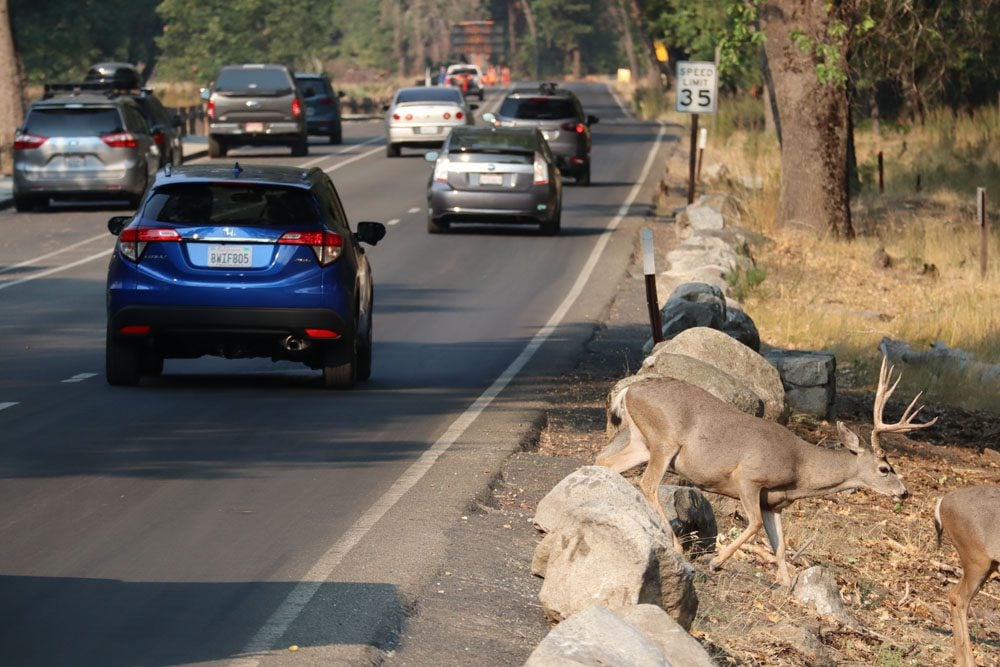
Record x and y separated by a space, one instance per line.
983 236
697 92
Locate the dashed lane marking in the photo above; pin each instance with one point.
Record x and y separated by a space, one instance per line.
413 210
80 377
35 260
394 221
4 406
58 269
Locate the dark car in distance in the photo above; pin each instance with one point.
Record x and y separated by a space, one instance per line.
255 105
557 112
240 262
494 175
322 106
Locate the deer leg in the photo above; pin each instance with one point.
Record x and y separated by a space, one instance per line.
649 485
775 535
975 569
635 452
750 497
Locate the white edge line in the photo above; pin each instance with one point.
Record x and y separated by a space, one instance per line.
277 625
618 101
34 260
58 269
4 406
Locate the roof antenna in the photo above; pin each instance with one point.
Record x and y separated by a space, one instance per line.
237 170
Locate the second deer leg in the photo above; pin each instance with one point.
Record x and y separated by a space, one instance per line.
750 497
974 573
635 452
775 535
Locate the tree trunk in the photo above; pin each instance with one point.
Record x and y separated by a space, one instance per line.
618 9
512 29
772 122
529 18
652 64
577 68
814 122
12 100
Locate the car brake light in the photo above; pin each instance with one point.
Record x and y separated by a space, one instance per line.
395 116
322 333
447 115
296 107
210 110
23 141
579 128
409 116
160 138
327 101
541 171
441 169
133 240
135 329
328 246
459 115
120 140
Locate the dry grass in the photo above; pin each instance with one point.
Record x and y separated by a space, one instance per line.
828 294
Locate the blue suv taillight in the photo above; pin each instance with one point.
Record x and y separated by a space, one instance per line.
133 240
327 245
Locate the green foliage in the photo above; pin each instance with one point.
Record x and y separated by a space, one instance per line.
739 46
745 281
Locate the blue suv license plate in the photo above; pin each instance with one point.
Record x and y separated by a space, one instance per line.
230 256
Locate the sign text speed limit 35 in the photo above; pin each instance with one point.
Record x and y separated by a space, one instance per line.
697 87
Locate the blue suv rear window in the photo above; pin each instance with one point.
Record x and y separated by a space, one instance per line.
254 205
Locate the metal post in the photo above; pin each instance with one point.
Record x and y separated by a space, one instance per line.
983 237
881 177
652 302
702 140
693 155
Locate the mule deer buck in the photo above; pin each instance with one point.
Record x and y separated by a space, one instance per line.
674 425
969 517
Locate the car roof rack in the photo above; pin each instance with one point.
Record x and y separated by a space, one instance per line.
73 88
547 87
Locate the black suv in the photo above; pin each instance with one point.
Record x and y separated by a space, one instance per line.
164 126
255 105
559 115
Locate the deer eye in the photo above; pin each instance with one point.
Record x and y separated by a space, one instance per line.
884 470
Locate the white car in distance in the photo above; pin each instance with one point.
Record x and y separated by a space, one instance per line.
422 117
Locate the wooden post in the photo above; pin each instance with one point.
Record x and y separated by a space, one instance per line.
983 236
652 301
692 166
881 175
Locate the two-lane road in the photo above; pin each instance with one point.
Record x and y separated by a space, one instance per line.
231 507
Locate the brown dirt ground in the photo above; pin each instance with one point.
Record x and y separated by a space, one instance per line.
483 607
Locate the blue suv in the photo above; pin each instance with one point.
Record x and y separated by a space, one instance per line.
240 262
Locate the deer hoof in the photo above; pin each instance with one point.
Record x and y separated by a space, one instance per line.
715 565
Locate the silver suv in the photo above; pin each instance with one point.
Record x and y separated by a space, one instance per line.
82 141
255 105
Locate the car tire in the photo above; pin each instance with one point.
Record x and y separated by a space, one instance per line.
121 362
151 364
583 177
551 227
365 347
340 364
216 147
337 136
301 147
435 227
391 150
24 203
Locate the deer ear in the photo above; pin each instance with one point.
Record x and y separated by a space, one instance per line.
848 438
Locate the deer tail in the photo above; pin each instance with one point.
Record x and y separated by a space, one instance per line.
618 409
937 523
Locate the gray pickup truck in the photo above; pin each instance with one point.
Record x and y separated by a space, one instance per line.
255 105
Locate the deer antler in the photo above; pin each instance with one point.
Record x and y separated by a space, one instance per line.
882 395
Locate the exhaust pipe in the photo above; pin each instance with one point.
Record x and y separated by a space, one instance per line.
293 344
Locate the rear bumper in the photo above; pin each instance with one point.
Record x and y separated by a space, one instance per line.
130 180
274 132
213 322
448 205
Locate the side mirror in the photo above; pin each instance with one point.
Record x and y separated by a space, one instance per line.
473 107
178 121
370 232
385 107
341 93
431 156
490 118
592 120
205 93
118 223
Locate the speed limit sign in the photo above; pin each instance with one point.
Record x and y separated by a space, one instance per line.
697 87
